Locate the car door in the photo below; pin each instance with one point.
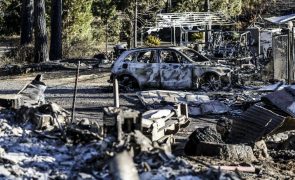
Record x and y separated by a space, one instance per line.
146 68
175 71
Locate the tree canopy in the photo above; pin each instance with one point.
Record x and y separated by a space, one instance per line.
90 21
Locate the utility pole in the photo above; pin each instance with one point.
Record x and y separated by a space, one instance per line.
168 6
107 39
208 27
135 25
290 60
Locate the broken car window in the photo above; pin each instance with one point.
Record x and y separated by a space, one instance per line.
169 56
147 57
194 55
131 57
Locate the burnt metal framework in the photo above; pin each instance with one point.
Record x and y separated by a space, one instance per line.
187 21
284 56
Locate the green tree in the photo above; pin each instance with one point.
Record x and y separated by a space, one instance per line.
3 6
10 16
189 6
228 7
106 10
147 11
253 9
77 19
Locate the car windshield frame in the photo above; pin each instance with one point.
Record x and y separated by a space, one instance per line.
128 52
181 53
182 49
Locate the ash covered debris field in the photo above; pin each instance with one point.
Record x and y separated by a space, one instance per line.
213 145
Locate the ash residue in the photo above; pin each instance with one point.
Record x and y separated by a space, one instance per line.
206 134
26 153
282 146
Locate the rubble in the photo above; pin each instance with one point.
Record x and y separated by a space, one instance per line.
207 142
10 101
198 104
253 124
38 140
122 167
70 64
283 99
36 156
273 87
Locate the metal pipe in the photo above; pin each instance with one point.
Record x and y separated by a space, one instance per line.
107 27
289 57
174 35
116 92
141 37
293 52
75 93
119 127
135 25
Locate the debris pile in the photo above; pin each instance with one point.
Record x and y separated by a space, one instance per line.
198 104
207 142
30 153
40 140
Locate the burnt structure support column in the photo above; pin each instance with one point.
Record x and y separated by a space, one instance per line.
135 25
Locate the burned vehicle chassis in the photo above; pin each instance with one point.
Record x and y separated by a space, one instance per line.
167 68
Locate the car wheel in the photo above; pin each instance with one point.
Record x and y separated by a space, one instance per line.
128 83
210 82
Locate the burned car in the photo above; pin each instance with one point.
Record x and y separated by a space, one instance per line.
167 68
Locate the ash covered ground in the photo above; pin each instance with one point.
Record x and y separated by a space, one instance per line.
48 153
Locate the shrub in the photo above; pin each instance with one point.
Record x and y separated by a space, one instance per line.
198 36
152 41
21 54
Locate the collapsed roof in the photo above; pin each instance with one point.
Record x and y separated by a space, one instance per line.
281 19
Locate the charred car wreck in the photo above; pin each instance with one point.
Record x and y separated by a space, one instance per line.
169 68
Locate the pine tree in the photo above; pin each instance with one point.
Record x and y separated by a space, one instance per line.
27 22
41 48
56 30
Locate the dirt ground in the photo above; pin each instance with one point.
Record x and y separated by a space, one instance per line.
95 93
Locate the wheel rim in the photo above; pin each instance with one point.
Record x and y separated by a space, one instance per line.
212 82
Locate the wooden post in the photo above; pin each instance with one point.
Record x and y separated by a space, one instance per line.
75 93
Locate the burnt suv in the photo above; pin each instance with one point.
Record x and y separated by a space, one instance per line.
169 68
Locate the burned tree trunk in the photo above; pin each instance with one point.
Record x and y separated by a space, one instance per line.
56 30
41 48
26 22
